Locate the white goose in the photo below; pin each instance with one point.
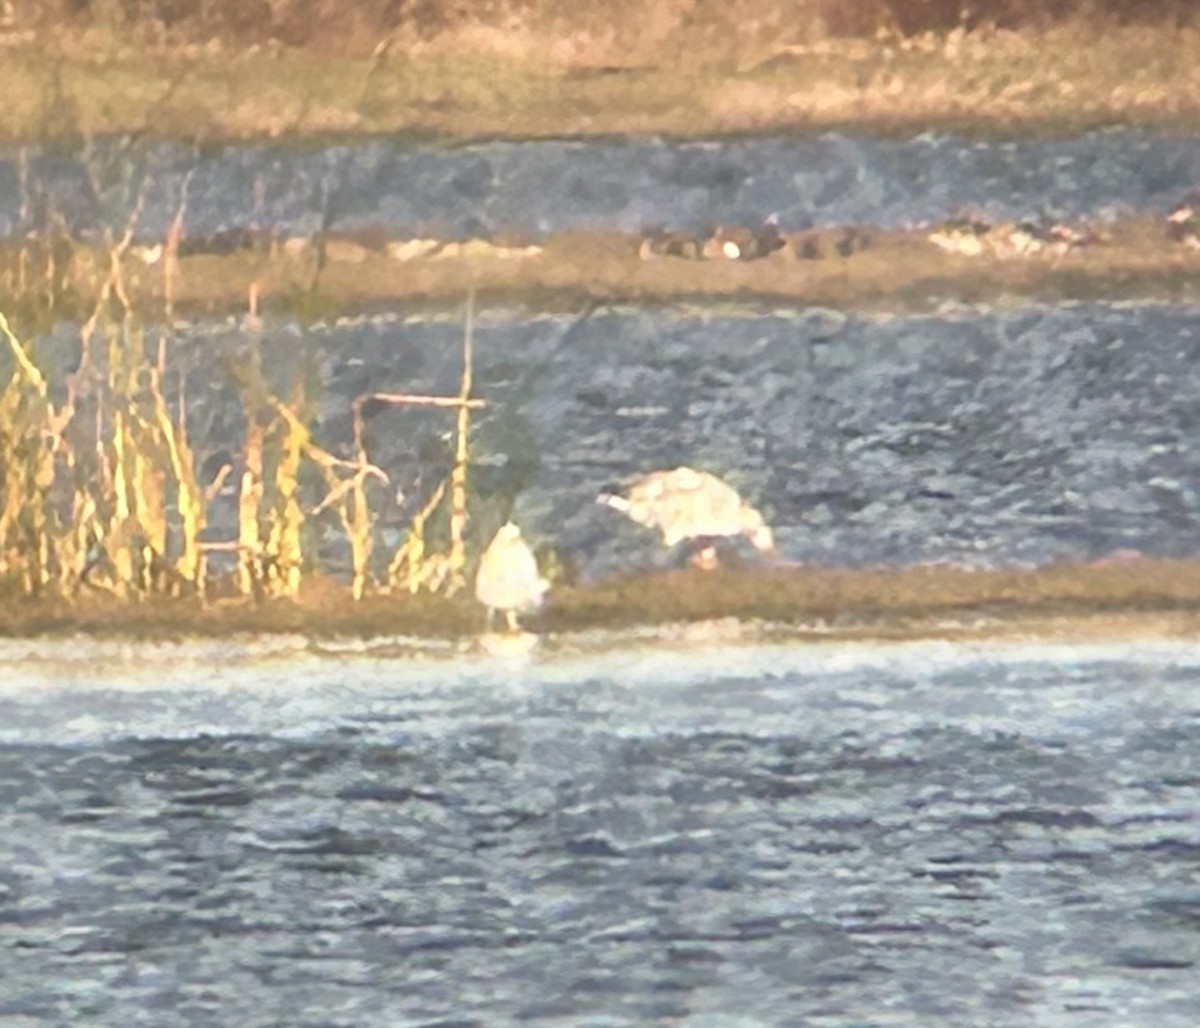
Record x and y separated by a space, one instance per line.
685 504
508 578
1183 223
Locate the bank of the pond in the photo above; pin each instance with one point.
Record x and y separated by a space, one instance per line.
1126 597
895 271
1059 80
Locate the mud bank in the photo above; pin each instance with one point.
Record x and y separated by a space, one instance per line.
1124 598
894 271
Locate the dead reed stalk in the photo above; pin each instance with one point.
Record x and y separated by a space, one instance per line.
347 495
458 475
411 568
287 516
105 499
29 426
170 254
189 497
250 498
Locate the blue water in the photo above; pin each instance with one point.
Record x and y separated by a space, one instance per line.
687 832
993 437
548 186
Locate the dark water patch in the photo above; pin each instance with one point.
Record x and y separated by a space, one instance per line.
377 794
215 798
1148 960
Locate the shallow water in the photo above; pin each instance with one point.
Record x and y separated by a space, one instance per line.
217 834
548 186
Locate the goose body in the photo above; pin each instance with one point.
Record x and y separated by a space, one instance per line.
684 504
975 237
963 236
508 579
662 243
1183 223
738 243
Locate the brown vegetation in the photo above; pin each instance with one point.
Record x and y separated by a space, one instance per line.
99 493
883 600
225 69
360 27
1101 601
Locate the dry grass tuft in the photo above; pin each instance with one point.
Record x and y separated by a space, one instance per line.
99 493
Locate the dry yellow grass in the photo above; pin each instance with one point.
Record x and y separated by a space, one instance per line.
98 493
531 80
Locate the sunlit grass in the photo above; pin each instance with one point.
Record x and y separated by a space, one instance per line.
1059 79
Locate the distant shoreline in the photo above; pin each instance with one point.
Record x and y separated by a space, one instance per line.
1056 81
896 271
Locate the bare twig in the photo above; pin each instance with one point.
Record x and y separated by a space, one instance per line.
458 476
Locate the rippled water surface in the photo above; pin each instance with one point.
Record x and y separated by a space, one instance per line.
988 437
756 835
535 187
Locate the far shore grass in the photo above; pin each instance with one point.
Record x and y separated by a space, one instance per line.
1057 81
898 272
1121 598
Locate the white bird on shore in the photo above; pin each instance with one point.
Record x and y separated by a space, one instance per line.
684 505
508 577
1183 223
740 243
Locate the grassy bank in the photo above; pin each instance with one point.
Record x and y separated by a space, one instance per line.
532 80
898 272
1136 597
